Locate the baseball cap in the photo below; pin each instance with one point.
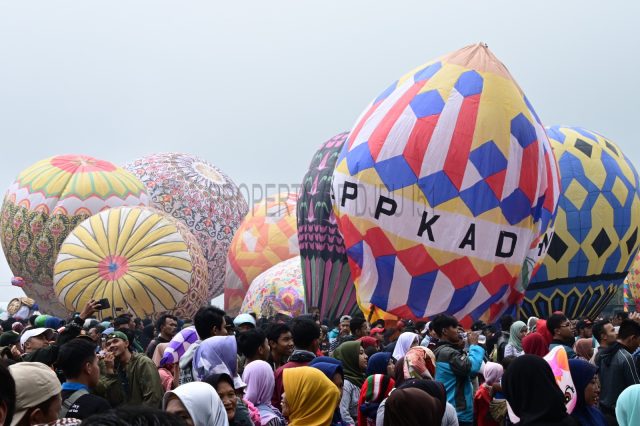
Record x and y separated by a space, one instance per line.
376 330
33 332
117 335
345 318
9 338
244 319
29 376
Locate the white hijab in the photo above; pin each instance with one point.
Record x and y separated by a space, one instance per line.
202 402
403 344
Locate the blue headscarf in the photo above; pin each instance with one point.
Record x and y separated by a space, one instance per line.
582 372
378 363
327 359
330 366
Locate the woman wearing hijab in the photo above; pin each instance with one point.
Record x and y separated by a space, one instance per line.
169 373
374 390
419 363
533 394
484 395
412 407
197 404
585 379
535 344
532 324
354 363
381 363
627 407
583 349
217 355
237 412
309 398
332 368
516 333
406 341
260 381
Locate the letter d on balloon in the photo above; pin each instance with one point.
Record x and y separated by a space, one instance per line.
500 251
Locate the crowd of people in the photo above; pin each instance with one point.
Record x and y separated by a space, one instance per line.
305 371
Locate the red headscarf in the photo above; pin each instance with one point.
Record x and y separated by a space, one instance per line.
535 344
541 327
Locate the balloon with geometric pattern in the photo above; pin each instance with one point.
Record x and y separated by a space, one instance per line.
202 197
596 228
633 282
47 200
445 188
325 268
278 290
266 237
141 259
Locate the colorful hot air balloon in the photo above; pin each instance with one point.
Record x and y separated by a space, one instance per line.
277 290
596 228
325 269
46 202
446 187
139 258
202 197
633 282
267 236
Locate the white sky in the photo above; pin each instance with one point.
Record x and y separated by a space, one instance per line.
256 86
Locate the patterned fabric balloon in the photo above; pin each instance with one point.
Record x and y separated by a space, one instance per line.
200 196
277 290
446 187
267 236
179 345
139 258
327 278
46 202
633 282
596 228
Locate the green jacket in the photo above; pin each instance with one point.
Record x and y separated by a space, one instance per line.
144 385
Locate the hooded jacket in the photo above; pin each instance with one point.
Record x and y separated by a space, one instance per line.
455 370
617 371
299 358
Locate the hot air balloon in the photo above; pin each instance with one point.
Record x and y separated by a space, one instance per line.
633 283
267 236
278 290
325 269
45 203
596 228
446 186
141 259
199 195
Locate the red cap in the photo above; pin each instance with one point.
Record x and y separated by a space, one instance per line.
376 330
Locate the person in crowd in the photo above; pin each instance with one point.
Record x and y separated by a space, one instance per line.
79 363
517 332
618 317
244 322
616 366
280 344
584 348
627 407
412 407
505 325
217 354
138 416
381 363
198 404
167 326
354 363
306 335
585 379
169 373
147 335
258 376
533 393
128 377
560 328
456 368
535 344
37 391
483 398
7 396
33 339
209 321
324 341
359 327
253 345
532 324
605 335
237 411
584 327
344 328
378 334
418 363
127 322
332 368
309 397
374 390
406 341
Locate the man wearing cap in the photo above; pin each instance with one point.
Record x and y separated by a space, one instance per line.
127 377
34 339
167 327
37 393
345 330
584 327
244 322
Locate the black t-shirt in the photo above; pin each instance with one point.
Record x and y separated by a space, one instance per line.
86 405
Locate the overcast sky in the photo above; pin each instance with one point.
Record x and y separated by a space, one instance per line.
256 86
